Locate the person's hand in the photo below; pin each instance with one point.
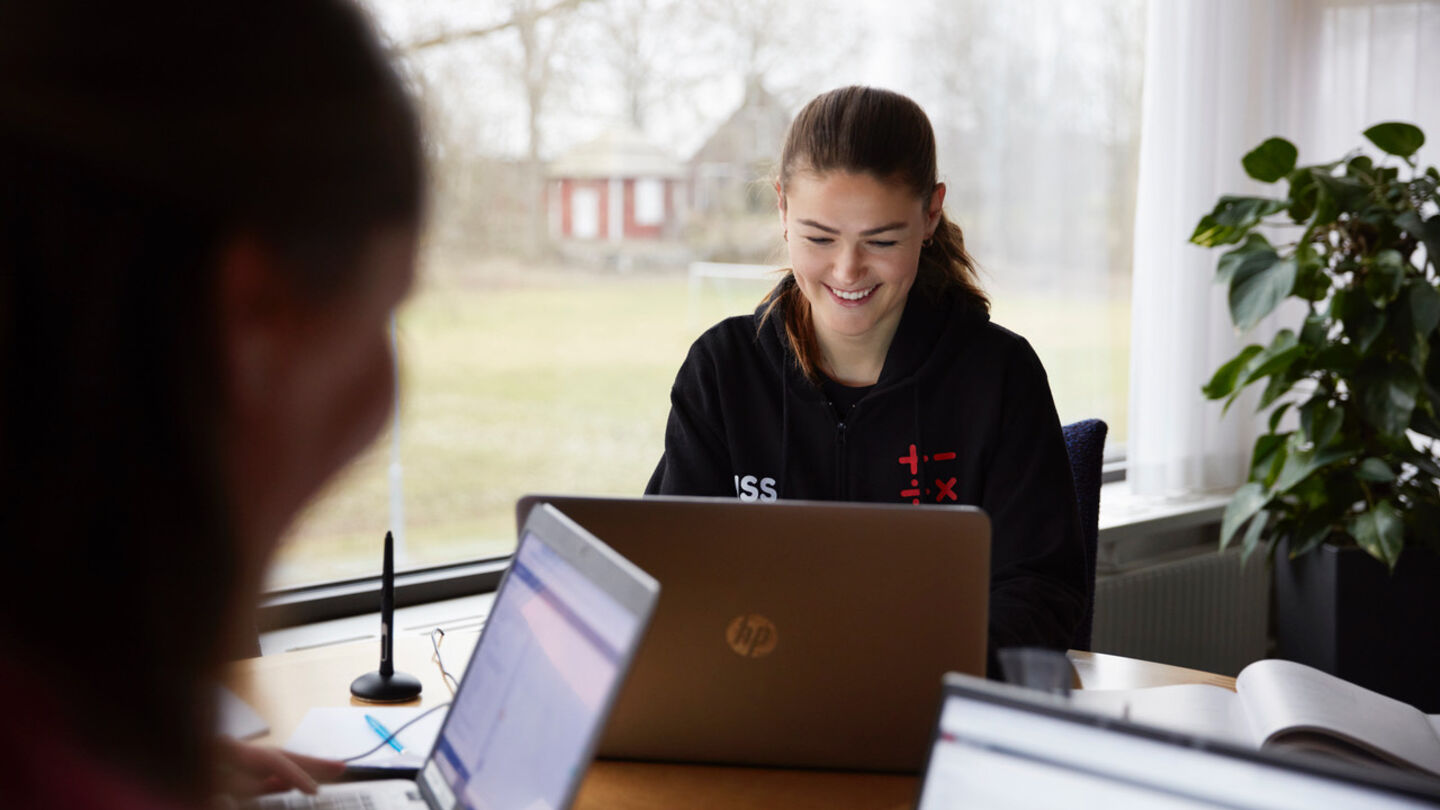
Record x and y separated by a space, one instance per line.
249 770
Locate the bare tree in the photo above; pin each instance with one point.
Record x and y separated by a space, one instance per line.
790 48
540 33
1036 105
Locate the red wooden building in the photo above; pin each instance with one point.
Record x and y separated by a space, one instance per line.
617 187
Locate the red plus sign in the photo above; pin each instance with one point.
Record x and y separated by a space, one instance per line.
913 460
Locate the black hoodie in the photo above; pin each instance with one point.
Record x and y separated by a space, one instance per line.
961 413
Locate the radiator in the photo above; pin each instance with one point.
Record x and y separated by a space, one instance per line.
1205 610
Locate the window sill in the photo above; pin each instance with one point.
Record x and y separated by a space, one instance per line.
1135 529
463 614
339 600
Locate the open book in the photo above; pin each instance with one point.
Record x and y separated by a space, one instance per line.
1284 705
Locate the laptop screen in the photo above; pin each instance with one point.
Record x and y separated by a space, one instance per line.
535 690
991 754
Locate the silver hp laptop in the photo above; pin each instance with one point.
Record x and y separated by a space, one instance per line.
793 633
999 746
521 730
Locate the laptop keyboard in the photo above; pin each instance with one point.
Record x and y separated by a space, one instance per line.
331 801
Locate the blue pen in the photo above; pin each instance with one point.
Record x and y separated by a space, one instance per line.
383 732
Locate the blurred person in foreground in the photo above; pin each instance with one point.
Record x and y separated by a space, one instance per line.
207 214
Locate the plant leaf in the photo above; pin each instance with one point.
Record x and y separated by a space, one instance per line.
1232 218
1301 464
1278 414
1424 306
1254 293
1268 458
1302 194
1381 532
1314 527
1387 396
1276 364
1223 383
1396 138
1320 420
1271 160
1252 534
1335 195
1279 386
1328 425
1315 332
1339 358
1385 277
1243 505
1359 166
1327 208
1373 469
1425 424
1311 281
1255 253
1427 231
1362 321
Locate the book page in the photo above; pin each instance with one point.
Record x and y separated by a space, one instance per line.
1283 697
1206 711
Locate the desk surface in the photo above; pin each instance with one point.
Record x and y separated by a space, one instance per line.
283 687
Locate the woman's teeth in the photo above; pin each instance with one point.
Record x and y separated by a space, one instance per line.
852 296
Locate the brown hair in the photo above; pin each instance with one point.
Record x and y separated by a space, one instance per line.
865 130
135 140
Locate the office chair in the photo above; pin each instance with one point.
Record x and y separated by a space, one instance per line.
1085 444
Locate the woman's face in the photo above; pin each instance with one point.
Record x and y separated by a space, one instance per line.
854 244
312 380
346 387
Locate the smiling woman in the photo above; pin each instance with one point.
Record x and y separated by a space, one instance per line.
873 373
855 277
864 160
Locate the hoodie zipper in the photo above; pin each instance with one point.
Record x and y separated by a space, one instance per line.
840 459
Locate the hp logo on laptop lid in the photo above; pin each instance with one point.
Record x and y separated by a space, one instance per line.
752 636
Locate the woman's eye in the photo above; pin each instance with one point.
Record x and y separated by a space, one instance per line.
883 243
819 240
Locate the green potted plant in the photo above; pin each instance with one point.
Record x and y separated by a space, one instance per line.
1348 487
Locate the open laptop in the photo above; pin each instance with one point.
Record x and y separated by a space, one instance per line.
997 746
521 730
793 633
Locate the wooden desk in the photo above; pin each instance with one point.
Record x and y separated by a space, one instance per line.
283 687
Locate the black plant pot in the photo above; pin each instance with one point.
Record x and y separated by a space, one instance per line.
1340 610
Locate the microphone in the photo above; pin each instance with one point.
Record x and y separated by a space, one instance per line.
386 685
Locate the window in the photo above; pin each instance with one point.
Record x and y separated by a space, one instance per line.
539 359
649 201
585 213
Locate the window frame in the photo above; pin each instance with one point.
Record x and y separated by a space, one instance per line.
339 599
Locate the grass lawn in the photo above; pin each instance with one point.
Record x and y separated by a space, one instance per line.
560 383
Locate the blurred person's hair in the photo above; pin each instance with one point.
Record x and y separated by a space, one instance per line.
883 134
135 140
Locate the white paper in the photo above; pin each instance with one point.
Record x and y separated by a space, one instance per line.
1277 700
341 733
1206 711
1283 696
237 718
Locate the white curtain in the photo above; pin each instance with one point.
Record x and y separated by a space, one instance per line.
1220 77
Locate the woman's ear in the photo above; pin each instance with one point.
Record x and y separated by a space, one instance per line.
934 209
254 309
